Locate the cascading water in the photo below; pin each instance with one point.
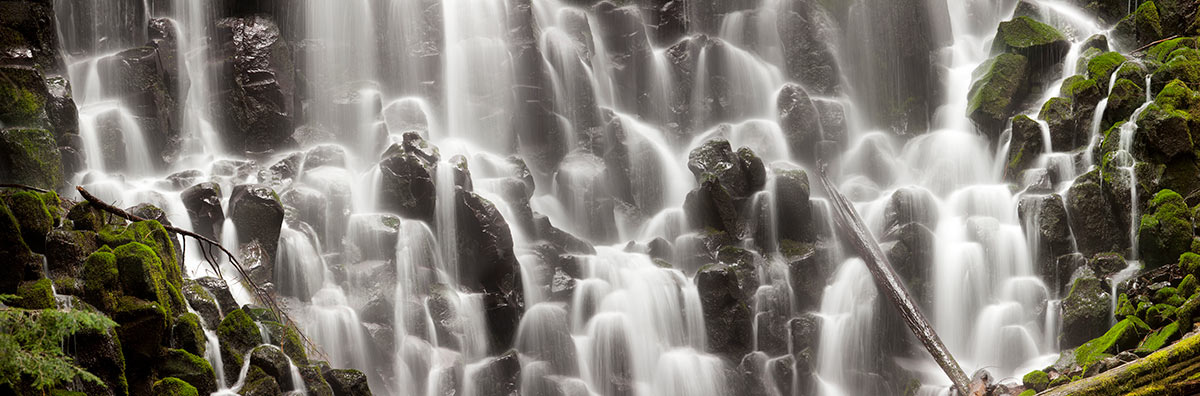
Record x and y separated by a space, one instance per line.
489 197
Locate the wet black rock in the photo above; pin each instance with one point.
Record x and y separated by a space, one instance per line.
727 317
800 121
1066 133
911 205
258 215
911 248
484 246
203 203
806 34
30 37
255 98
220 292
741 173
1047 216
500 376
274 363
1001 86
347 382
1092 218
711 208
138 77
1025 146
408 171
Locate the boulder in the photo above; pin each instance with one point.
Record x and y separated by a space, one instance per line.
347 382
1165 231
793 207
711 207
258 215
1065 131
726 315
1024 147
1139 28
1101 67
806 33
190 368
220 293
484 248
203 203
911 248
172 386
1107 263
741 173
31 157
31 36
911 205
1123 99
1000 86
500 376
1084 311
271 360
138 78
100 353
1091 216
800 121
255 100
408 171
238 334
1162 134
1048 215
1039 42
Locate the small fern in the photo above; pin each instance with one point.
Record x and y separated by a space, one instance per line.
31 343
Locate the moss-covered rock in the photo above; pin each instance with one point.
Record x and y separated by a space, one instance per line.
35 295
32 216
1162 51
66 250
172 386
30 156
100 278
1001 84
271 360
1141 27
1037 41
1165 231
140 274
188 335
1101 67
348 382
1124 335
258 383
1123 99
1186 314
1036 380
316 384
152 234
1025 145
23 97
238 334
1159 338
1162 134
202 302
1160 314
143 330
1183 64
1065 133
1177 96
192 369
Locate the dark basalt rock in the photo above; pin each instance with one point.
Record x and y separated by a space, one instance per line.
29 33
258 215
203 203
1001 85
711 207
487 263
220 292
1024 148
795 211
1092 218
1037 41
727 318
1066 133
806 33
800 121
347 382
31 157
911 205
138 77
741 173
911 248
408 172
500 376
1048 214
256 96
274 363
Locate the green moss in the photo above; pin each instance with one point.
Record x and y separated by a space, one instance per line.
141 274
35 295
188 335
1125 334
1186 314
1143 25
172 386
1161 50
1024 32
1159 338
32 157
1165 231
1036 380
1160 314
1176 95
1001 79
32 216
1080 89
152 234
238 334
792 249
1102 66
21 103
1028 392
293 347
1124 307
1165 294
1059 381
1190 262
190 368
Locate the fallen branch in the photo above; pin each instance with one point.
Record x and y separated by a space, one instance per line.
859 237
1169 371
1144 47
205 244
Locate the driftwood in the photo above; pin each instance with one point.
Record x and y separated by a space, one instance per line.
1169 371
889 283
262 294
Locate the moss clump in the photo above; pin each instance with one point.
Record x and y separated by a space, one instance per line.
1080 89
22 97
238 334
293 347
188 335
1160 314
35 295
151 234
141 274
172 386
1001 81
100 277
1176 95
1023 33
1165 231
1161 51
1190 262
1142 26
190 368
1186 314
1124 307
30 156
1036 380
32 216
1123 100
1124 335
1159 338
1101 67
1027 392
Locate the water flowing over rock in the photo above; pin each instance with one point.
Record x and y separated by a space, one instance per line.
256 100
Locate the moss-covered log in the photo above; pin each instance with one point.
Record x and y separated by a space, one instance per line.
1170 371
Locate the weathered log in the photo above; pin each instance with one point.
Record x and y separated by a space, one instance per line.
888 282
1169 371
